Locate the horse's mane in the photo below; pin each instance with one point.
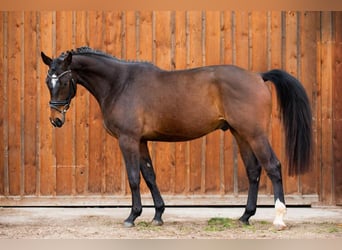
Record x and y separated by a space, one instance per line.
89 51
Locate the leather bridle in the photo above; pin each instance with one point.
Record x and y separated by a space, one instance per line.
63 103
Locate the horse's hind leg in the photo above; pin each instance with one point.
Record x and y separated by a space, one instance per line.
149 176
269 161
253 170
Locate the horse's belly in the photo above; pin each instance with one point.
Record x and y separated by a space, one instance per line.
185 132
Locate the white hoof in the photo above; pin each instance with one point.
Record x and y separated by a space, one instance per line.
280 212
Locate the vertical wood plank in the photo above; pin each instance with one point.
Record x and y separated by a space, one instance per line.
212 43
337 111
30 100
326 82
318 113
64 136
228 147
195 60
131 35
309 38
81 105
96 130
258 41
14 96
112 157
164 152
145 52
3 98
179 62
47 149
291 66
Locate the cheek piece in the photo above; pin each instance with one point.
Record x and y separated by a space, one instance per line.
62 103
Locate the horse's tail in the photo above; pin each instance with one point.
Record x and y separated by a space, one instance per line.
296 117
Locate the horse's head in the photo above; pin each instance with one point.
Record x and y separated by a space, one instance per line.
62 86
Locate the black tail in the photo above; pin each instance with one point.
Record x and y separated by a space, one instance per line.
297 119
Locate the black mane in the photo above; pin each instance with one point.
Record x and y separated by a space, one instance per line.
89 51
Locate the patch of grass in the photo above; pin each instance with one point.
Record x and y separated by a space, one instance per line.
327 227
220 224
333 229
263 222
143 225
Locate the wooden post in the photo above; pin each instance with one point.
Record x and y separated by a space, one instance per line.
325 118
3 98
337 109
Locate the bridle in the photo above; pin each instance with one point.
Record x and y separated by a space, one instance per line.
65 103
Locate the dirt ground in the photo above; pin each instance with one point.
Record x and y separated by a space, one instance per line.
180 223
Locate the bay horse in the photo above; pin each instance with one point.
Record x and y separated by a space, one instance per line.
141 102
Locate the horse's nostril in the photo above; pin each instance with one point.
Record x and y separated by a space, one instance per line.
56 122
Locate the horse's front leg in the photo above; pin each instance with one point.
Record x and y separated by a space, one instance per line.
130 151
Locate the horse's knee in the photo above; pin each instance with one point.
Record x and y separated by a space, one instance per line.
253 174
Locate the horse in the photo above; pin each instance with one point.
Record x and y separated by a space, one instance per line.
141 102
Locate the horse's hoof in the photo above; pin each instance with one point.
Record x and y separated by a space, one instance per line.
243 222
157 222
128 224
280 227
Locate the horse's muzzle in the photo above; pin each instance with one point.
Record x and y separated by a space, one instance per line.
56 122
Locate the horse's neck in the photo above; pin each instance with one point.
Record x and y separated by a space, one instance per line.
92 76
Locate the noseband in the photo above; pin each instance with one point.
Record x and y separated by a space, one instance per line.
65 103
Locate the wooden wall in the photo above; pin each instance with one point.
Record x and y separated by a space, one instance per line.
81 164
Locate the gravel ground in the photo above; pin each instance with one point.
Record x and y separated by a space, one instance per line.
180 223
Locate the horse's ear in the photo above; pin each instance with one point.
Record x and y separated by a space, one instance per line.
47 60
67 60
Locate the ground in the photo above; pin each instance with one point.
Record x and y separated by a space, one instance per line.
180 223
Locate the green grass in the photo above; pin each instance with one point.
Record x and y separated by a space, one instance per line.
220 224
333 229
143 225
